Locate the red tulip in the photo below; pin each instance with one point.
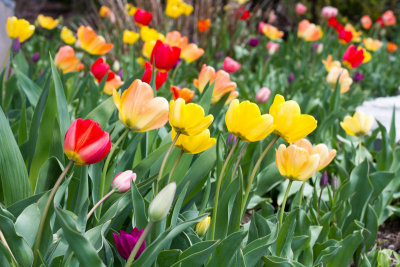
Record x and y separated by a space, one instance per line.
86 143
100 68
165 56
353 57
161 77
142 17
333 22
242 13
345 36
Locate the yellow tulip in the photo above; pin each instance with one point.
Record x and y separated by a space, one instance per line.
139 110
325 155
148 48
104 12
358 125
188 119
175 8
67 36
245 121
296 163
148 34
289 123
47 22
371 44
19 28
202 226
130 37
131 9
194 144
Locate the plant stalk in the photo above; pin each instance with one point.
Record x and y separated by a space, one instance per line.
174 167
138 244
99 203
284 204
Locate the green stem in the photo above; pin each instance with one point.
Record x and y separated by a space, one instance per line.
359 152
99 203
3 239
36 246
238 161
174 73
174 167
255 169
218 188
165 160
6 57
284 204
138 244
301 193
105 168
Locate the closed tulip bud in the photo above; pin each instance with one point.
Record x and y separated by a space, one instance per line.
162 202
358 77
291 77
300 9
253 42
122 182
202 226
230 65
35 57
263 95
334 182
16 45
324 179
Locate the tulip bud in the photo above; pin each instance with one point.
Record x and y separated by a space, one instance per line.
121 73
116 66
334 182
122 181
162 202
291 77
358 77
263 95
220 55
16 45
324 179
202 226
35 57
253 42
231 140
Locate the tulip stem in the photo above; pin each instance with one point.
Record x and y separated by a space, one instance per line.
301 193
4 241
253 173
218 188
238 161
138 244
284 204
174 167
165 160
99 203
105 168
36 246
359 152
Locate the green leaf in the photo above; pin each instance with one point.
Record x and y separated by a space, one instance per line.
273 261
13 174
224 208
285 235
28 87
27 223
139 218
197 254
227 249
102 113
256 249
347 247
205 100
167 258
392 131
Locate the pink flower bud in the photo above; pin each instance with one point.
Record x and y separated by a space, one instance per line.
122 182
263 95
300 9
272 47
230 65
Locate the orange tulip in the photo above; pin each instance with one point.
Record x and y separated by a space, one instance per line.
325 155
184 93
66 61
329 63
203 25
309 31
270 31
91 42
191 52
391 47
366 22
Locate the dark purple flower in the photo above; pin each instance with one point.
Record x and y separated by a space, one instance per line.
121 73
231 140
291 77
324 179
220 55
253 42
126 242
35 57
16 45
358 77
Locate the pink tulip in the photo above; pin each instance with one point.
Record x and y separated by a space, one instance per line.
230 65
122 182
272 47
300 9
272 16
329 12
263 95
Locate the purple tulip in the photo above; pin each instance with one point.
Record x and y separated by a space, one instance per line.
324 179
35 57
16 45
220 55
126 242
358 77
291 77
253 42
231 140
121 73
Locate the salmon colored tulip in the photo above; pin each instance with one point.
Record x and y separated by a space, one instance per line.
67 36
329 63
104 12
165 56
309 31
91 42
175 38
391 47
206 76
139 110
86 143
194 144
113 84
203 25
191 52
184 93
244 120
230 65
353 57
66 61
358 125
388 18
47 22
19 28
130 37
142 17
341 76
270 31
372 44
325 155
188 119
161 76
289 123
366 22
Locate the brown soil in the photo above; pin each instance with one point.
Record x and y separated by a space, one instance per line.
389 235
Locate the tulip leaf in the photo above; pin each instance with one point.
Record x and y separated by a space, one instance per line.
82 248
178 205
225 205
197 254
139 218
13 174
347 247
205 100
143 167
102 113
273 261
167 258
28 87
27 223
17 208
285 235
254 251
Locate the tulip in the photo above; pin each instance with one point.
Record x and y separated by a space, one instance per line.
190 52
142 17
161 77
371 44
47 22
263 95
91 42
100 68
188 119
356 35
270 31
122 181
148 34
203 25
329 12
324 180
272 47
131 9
334 23
112 84
334 182
300 9
185 93
35 57
139 110
358 77
388 18
242 13
309 31
194 144
230 65
391 47
353 57
86 143
130 37
358 125
325 155
16 45
66 61
104 12
125 242
19 28
341 76
329 63
161 203
175 38
291 77
345 36
67 36
253 42
206 76
164 56
366 22
202 226
272 16
245 121
176 8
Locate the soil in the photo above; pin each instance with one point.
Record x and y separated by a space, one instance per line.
389 235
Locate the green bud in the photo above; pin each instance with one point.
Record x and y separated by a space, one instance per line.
161 204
